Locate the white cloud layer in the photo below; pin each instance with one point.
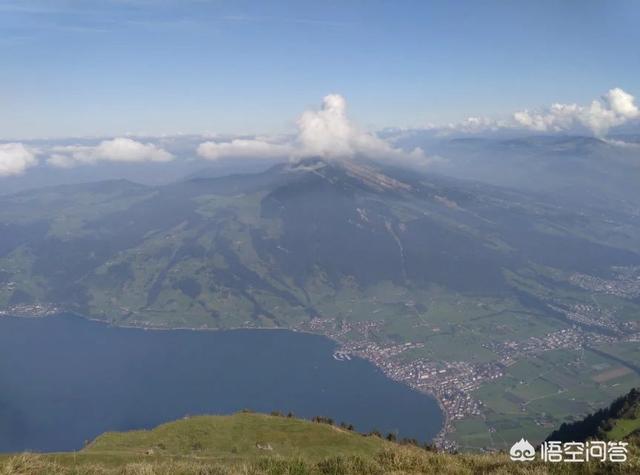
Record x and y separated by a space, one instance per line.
243 148
115 150
15 158
613 109
616 107
326 132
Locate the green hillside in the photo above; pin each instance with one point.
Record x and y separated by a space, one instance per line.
241 436
248 443
621 420
627 426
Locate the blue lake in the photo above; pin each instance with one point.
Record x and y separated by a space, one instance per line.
64 380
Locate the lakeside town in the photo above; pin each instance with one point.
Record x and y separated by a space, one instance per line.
625 283
35 310
452 382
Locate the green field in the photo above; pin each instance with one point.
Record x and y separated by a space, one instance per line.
540 393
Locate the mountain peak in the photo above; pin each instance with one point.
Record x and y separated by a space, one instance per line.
363 173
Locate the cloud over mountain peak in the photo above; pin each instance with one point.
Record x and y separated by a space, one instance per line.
326 132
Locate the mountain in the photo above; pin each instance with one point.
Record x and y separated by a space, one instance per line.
463 290
279 247
619 421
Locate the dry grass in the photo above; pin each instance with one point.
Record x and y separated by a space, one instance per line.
403 460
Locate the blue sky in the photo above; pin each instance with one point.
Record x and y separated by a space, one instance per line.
91 67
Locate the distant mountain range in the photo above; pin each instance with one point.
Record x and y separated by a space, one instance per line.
577 169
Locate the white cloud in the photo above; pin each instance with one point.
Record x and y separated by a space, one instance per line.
15 158
326 132
329 133
475 124
622 103
243 148
114 150
557 118
614 108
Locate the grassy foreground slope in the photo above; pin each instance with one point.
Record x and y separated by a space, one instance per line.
245 436
260 444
